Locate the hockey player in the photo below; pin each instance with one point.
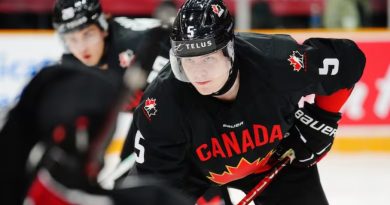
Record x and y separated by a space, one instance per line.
73 127
227 103
111 45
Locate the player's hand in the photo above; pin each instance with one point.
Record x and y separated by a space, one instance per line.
312 135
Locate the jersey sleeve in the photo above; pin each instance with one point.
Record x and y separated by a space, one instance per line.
153 43
144 36
318 66
145 41
334 63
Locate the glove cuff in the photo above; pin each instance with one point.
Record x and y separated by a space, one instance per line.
322 114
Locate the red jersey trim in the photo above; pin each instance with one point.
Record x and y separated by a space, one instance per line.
333 102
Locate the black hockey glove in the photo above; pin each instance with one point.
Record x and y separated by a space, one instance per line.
312 135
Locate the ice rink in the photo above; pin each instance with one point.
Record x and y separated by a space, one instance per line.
353 179
357 179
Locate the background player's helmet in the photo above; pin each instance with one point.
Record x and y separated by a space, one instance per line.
71 15
201 27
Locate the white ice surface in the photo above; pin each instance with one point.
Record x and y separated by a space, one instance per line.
352 179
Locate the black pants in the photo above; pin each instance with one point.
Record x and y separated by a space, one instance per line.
292 186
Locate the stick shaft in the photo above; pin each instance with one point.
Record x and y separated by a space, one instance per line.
259 188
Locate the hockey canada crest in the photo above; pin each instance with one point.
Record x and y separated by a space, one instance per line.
126 58
217 9
296 60
150 107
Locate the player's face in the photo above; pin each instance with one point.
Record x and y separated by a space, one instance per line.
86 44
207 73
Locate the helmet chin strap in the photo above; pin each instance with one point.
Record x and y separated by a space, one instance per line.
229 83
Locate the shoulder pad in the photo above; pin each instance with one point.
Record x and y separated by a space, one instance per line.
276 46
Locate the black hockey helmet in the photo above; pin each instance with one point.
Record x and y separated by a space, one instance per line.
202 27
206 22
70 15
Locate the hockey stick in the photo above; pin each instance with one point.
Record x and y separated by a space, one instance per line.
124 166
284 160
132 80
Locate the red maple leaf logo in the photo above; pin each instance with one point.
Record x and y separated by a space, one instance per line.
214 201
126 58
296 60
150 107
217 9
243 169
150 102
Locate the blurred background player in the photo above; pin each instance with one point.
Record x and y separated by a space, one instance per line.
68 114
112 45
234 100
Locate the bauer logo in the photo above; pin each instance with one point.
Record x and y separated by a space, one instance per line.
296 60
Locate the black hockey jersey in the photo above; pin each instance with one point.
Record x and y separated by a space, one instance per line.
193 140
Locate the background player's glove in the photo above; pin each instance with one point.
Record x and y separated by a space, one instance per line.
312 135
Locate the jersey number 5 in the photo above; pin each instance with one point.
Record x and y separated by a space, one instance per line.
329 64
190 31
140 157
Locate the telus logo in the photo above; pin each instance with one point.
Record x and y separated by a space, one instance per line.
192 46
